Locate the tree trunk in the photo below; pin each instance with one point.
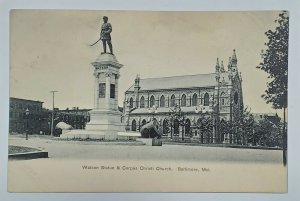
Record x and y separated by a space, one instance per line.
183 132
284 140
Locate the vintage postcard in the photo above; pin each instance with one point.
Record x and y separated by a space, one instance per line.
144 101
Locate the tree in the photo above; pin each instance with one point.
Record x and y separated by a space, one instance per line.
275 63
179 115
247 126
267 133
207 128
224 129
166 127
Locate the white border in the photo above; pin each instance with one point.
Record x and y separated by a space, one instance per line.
197 5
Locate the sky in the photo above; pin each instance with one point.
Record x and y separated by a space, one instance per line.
49 50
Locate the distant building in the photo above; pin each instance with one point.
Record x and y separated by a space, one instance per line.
38 120
272 117
201 96
20 122
75 117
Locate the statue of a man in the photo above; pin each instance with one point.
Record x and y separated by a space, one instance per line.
106 29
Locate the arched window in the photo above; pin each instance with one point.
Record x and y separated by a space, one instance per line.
236 98
131 103
165 127
187 127
133 125
176 127
183 100
194 100
223 126
199 122
172 103
222 98
144 122
206 99
162 101
142 102
152 101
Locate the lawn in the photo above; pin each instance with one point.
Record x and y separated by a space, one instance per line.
18 149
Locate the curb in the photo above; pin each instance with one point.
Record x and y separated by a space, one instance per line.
28 155
220 145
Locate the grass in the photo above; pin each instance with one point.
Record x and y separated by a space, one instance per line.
18 149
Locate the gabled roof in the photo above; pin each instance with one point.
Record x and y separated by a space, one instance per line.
21 99
273 117
179 82
190 109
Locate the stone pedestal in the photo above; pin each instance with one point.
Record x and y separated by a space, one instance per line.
105 118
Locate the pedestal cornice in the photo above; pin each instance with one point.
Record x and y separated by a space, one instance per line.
106 60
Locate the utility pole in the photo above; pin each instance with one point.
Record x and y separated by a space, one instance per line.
52 119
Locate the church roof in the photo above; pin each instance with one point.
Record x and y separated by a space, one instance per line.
190 109
177 82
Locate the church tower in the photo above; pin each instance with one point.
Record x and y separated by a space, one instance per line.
136 90
222 69
233 64
217 66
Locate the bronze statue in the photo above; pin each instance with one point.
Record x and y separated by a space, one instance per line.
106 29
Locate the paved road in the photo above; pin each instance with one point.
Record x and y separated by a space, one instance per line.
135 151
259 170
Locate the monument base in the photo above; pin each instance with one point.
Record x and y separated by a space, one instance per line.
104 125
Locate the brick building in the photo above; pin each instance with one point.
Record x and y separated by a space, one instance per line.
38 119
19 121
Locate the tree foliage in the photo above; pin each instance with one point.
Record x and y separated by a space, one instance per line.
246 125
178 114
267 133
275 62
206 125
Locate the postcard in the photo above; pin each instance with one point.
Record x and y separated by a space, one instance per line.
148 101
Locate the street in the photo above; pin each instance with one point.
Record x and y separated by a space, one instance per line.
75 166
136 151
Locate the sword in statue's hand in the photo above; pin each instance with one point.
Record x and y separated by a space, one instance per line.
95 42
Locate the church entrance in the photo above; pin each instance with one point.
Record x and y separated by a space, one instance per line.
187 128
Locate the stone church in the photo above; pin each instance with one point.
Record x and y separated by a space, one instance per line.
216 95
